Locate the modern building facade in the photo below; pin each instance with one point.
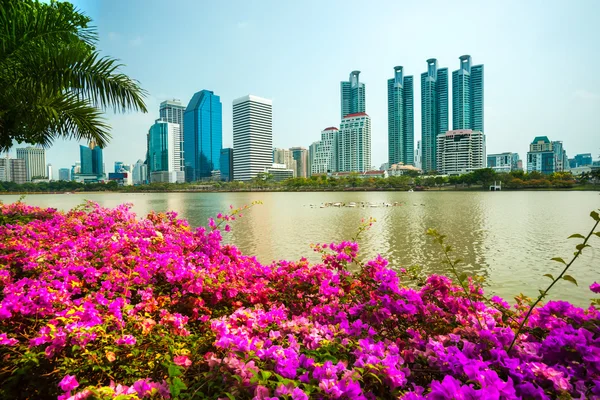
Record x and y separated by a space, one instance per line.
467 96
280 172
325 157
252 136
460 152
401 121
545 156
354 143
50 172
352 95
581 160
164 152
226 161
64 174
418 160
503 162
300 156
91 161
312 152
434 112
560 156
139 174
13 170
285 157
35 162
202 135
172 111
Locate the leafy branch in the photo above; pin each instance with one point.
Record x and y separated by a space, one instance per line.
544 293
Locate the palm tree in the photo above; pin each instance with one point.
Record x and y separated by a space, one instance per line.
53 81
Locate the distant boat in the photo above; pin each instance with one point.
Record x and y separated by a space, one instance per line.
373 205
351 204
410 191
387 205
337 204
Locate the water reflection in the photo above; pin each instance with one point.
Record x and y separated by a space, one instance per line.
507 237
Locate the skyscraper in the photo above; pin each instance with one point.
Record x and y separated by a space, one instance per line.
172 111
226 161
312 153
401 121
35 162
252 136
140 173
164 152
325 157
460 151
286 157
354 143
352 95
202 135
91 160
434 111
467 96
300 155
64 174
50 172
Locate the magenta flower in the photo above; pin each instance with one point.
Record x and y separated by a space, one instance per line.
68 383
5 340
126 340
595 287
182 361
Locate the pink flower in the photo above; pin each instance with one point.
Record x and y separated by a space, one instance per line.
68 383
126 339
5 340
595 287
183 361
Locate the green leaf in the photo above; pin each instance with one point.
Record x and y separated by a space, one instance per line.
576 235
176 387
595 215
174 370
570 279
581 246
558 259
549 276
463 276
542 294
230 396
265 375
597 234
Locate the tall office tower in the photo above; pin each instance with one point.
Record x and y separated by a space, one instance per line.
325 157
354 143
300 155
285 157
64 174
140 173
35 162
312 152
202 136
418 162
172 111
164 152
252 136
352 95
467 96
401 121
50 172
226 164
119 166
434 111
91 160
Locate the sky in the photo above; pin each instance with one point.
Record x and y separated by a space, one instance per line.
541 60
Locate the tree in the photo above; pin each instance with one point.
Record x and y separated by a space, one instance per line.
53 81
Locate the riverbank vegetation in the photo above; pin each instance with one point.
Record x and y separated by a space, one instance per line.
96 303
476 180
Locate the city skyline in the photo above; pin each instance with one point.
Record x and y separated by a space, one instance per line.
562 110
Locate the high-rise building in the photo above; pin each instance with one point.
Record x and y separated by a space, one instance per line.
18 171
140 173
467 96
226 161
434 112
503 162
91 158
64 174
354 143
460 151
286 157
202 135
172 111
119 166
560 156
325 158
252 136
35 162
352 95
5 175
164 152
401 121
50 172
312 152
546 157
418 159
300 156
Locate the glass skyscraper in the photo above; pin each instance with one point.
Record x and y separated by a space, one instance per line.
226 164
202 135
172 111
352 95
434 111
401 121
467 96
91 158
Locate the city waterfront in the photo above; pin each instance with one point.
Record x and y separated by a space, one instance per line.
506 237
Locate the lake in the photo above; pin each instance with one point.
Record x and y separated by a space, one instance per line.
506 237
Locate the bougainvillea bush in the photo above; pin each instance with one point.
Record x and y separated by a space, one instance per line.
96 303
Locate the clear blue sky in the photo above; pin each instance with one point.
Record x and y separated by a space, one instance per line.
541 63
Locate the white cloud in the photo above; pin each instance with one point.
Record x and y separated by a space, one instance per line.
137 41
586 95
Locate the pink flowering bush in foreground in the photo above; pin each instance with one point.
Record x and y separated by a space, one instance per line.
95 303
